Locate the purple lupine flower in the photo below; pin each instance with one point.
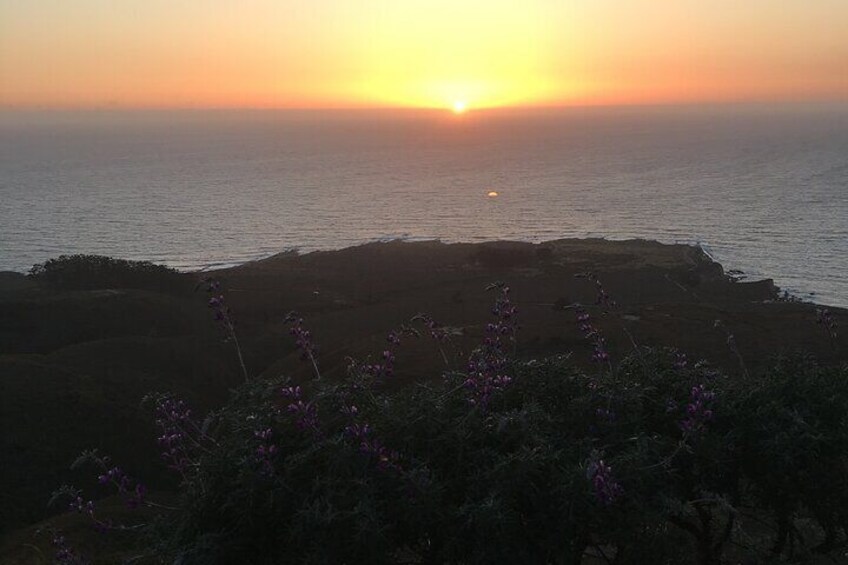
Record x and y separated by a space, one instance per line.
388 361
212 285
385 458
698 411
133 492
223 315
304 413
217 303
593 335
437 331
602 297
81 506
265 451
137 496
486 370
293 392
606 489
303 337
600 354
357 430
386 366
220 309
174 420
303 341
64 555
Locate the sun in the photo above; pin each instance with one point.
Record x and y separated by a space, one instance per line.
459 106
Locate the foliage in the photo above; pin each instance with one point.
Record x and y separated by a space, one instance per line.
650 459
386 475
794 418
96 272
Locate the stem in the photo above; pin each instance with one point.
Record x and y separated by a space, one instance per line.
150 504
603 553
232 332
201 434
193 440
450 392
315 366
444 357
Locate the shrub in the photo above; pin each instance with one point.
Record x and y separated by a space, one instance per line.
791 444
96 272
647 460
556 464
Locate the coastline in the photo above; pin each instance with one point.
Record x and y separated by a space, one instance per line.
12 278
742 272
738 274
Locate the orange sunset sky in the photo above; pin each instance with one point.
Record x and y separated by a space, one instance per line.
419 53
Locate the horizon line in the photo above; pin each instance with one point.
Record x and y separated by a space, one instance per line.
471 109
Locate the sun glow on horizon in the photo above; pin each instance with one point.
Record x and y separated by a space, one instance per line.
418 53
459 107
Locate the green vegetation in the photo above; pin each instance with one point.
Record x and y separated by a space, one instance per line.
559 466
94 272
649 460
509 453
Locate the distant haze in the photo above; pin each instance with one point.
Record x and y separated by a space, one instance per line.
419 53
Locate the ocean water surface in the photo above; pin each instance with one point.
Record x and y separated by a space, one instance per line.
764 189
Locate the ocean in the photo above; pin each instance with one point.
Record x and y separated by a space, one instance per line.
763 189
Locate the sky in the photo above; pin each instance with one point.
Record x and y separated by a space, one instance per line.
419 53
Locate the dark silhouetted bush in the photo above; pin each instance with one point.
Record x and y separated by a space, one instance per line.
96 272
650 459
648 462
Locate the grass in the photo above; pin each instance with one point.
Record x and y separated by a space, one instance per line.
76 363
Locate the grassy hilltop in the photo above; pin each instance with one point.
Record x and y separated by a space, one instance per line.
83 340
